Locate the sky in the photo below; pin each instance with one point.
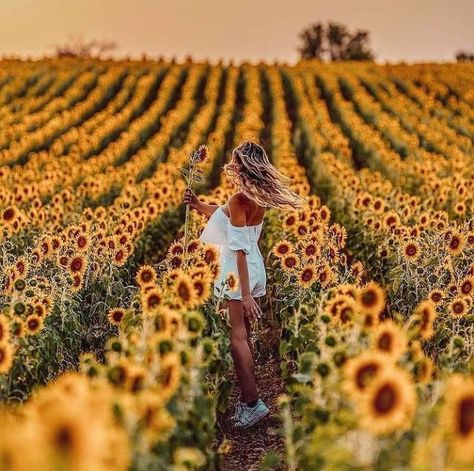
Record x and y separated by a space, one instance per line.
408 30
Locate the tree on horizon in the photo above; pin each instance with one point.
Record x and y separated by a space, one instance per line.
334 42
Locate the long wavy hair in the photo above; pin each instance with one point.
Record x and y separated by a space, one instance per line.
251 170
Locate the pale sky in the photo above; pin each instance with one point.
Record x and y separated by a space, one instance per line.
411 30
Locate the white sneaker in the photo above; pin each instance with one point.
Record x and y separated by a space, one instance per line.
251 415
238 410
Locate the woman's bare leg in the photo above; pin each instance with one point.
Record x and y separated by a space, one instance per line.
249 338
242 352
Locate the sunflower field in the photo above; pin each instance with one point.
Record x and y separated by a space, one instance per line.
114 353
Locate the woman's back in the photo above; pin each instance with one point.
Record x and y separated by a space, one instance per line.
254 213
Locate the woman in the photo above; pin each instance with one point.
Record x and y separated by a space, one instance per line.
236 227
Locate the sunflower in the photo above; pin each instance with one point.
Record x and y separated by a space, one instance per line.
6 357
18 327
311 250
22 266
202 289
290 262
232 281
325 275
176 248
175 322
307 276
411 250
371 298
426 314
346 311
193 245
467 286
470 238
9 215
4 330
162 319
324 213
116 315
360 371
423 370
169 375
136 379
162 343
388 338
290 221
435 296
76 265
77 282
331 306
210 255
151 300
357 271
458 307
175 262
456 243
282 248
82 242
184 291
389 402
120 257
33 324
391 220
146 276
301 229
458 415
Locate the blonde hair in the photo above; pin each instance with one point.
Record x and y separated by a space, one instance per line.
251 170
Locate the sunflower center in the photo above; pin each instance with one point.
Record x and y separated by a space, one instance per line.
458 307
466 416
454 243
466 287
365 374
183 291
385 342
369 298
64 438
385 399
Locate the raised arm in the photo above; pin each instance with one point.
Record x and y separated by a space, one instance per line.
199 206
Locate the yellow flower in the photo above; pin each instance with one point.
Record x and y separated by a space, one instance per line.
146 276
426 314
307 276
458 307
458 415
6 358
232 281
360 371
371 298
411 250
388 338
115 315
456 243
282 248
389 402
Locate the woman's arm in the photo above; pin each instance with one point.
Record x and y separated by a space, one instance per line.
238 218
199 206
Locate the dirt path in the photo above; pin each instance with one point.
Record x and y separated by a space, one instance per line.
245 449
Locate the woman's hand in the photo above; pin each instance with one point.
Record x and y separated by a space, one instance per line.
191 198
251 309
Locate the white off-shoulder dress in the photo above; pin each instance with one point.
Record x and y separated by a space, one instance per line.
228 238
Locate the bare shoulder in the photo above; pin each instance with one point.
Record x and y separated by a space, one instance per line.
238 209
